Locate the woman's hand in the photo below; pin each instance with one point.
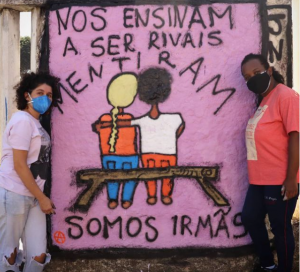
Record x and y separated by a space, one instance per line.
289 188
47 205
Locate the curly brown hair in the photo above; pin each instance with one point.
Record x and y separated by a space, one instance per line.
31 81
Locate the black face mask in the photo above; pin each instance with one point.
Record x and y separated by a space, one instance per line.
259 83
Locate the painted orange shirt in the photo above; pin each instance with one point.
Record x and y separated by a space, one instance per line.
126 141
267 136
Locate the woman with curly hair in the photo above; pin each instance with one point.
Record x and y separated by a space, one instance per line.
23 171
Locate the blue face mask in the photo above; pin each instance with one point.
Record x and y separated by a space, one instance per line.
40 104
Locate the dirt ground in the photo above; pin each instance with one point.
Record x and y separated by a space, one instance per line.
171 264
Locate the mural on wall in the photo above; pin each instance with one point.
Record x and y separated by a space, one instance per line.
148 139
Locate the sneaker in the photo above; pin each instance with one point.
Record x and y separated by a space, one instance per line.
274 269
259 268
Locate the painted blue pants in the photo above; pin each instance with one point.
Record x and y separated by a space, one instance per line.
120 162
267 199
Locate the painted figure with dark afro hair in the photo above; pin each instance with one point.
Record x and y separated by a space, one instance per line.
158 131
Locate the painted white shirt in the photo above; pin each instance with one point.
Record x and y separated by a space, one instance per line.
24 132
159 135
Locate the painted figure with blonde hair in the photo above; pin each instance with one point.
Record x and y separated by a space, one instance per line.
119 146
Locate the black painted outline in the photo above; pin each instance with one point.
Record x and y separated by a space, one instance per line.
58 4
52 5
289 42
185 171
139 252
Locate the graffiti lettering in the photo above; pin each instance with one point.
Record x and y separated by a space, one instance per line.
60 21
93 71
78 29
206 223
222 226
216 92
147 223
238 223
113 44
133 18
195 72
186 40
59 100
280 40
162 21
164 57
120 61
197 18
212 12
107 224
89 227
211 35
138 17
138 230
128 39
69 47
73 85
110 45
126 16
79 229
103 21
175 16
277 19
133 227
273 50
185 222
76 26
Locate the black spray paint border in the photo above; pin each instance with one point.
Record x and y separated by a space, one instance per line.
289 42
142 252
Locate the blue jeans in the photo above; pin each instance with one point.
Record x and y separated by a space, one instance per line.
267 199
120 162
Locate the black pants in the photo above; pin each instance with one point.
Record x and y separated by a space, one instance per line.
267 199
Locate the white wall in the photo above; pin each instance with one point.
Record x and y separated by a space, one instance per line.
296 44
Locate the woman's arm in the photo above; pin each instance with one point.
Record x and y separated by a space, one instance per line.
105 124
290 183
21 167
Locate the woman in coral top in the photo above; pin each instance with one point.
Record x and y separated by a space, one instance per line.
272 139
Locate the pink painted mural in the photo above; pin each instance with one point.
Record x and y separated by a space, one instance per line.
148 139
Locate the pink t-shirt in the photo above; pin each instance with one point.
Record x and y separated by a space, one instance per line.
24 132
267 136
